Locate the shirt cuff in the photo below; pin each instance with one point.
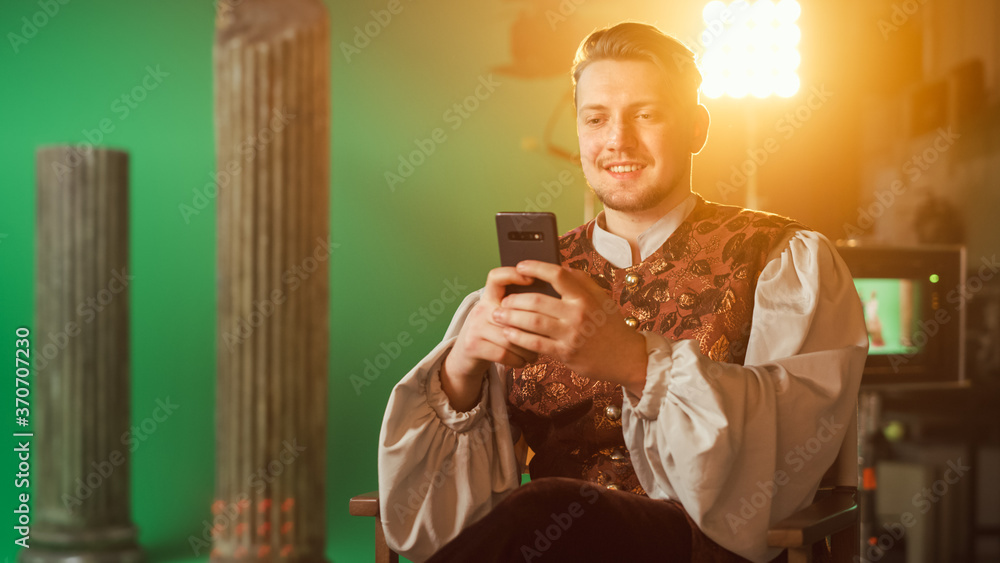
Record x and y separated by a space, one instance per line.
658 366
440 404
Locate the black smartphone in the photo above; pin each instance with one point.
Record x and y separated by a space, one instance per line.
528 236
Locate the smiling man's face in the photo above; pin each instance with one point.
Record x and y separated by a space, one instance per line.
635 140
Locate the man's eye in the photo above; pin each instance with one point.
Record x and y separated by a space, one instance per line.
593 120
645 116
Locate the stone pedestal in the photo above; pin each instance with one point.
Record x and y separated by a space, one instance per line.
272 96
80 353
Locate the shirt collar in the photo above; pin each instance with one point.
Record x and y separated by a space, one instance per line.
616 250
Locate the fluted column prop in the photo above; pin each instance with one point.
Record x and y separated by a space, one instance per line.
272 95
80 356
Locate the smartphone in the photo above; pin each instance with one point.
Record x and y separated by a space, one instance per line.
528 236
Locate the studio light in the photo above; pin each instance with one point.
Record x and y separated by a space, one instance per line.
751 48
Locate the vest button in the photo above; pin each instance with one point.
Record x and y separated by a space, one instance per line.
632 322
617 454
613 412
631 279
613 486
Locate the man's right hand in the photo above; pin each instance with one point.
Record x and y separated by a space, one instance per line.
480 343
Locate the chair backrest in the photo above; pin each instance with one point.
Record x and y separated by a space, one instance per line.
844 471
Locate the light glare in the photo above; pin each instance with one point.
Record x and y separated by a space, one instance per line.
713 11
787 11
750 48
787 85
762 12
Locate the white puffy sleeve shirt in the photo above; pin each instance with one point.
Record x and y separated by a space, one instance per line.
738 446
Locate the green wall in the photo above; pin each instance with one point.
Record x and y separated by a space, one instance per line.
397 248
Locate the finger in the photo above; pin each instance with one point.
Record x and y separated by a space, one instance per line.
503 352
587 283
497 281
493 335
534 302
524 358
581 283
530 341
564 282
528 321
501 355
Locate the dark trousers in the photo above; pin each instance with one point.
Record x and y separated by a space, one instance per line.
556 519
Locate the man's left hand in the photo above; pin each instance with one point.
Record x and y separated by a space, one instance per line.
583 330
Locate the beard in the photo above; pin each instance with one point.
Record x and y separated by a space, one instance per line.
631 202
641 194
637 198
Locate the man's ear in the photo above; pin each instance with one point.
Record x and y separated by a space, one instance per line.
699 129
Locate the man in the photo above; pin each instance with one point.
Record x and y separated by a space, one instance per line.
668 396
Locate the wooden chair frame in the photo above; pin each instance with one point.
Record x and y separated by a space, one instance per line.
833 513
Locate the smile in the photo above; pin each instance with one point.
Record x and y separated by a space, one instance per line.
624 168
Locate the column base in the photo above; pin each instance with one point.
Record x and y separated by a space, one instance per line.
123 554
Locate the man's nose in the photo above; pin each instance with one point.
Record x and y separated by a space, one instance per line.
621 135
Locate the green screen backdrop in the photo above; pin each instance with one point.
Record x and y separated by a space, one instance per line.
63 75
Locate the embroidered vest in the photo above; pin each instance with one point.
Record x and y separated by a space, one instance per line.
699 285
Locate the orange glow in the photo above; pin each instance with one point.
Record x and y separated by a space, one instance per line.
868 479
751 48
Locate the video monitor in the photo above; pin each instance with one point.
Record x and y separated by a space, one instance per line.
892 310
914 306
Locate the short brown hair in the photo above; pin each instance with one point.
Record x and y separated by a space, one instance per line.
642 42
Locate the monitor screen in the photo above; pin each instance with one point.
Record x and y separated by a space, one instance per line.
892 308
915 330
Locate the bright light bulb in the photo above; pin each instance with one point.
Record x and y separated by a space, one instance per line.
760 88
741 8
738 84
787 11
755 52
788 35
712 88
707 37
710 64
737 89
787 60
761 37
786 85
713 11
762 12
738 36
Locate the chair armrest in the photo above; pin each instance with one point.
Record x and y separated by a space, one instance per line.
364 505
367 505
837 511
